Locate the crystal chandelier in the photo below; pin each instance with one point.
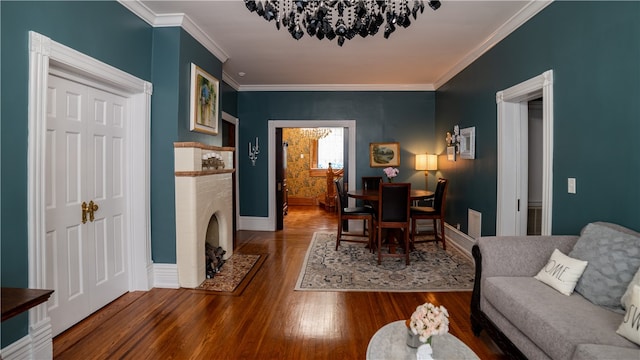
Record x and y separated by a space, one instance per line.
315 133
338 18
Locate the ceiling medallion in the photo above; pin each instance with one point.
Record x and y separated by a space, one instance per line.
343 19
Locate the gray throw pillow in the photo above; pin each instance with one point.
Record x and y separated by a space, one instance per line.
613 256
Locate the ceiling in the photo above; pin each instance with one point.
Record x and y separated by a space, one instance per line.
423 56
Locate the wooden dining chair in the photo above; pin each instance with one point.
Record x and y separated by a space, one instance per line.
352 213
371 183
435 212
393 214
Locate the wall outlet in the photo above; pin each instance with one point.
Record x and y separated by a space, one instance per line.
458 226
571 185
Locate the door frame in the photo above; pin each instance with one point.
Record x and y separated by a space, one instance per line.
45 55
273 124
512 154
236 122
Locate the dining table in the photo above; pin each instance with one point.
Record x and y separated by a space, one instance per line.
372 195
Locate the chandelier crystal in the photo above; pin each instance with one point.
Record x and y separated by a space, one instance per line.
343 19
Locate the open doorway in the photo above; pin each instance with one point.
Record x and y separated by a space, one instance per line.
513 155
275 206
229 133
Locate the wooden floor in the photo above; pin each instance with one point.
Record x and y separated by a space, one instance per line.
268 320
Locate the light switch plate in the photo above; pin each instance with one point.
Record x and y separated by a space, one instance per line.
571 185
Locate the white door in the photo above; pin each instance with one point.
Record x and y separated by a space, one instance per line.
85 146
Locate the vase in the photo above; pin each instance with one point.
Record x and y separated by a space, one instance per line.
414 340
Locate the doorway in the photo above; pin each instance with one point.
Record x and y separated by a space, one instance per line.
46 55
229 131
275 124
513 155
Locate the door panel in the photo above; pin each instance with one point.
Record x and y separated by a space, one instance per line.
86 151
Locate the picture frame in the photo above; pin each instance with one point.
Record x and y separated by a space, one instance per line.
384 154
468 143
451 153
205 99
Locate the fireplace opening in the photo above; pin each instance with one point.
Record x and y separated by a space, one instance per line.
214 253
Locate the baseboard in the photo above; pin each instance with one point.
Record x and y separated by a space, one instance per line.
460 240
37 345
166 276
302 201
255 223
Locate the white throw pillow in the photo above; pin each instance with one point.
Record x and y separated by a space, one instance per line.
562 272
626 298
630 327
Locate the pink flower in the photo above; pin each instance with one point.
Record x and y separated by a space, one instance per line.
391 172
429 320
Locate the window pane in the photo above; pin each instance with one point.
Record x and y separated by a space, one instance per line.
330 150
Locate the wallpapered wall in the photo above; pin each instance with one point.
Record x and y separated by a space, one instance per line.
299 183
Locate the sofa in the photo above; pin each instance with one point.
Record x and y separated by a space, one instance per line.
528 319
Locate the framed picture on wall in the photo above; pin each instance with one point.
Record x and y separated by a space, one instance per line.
205 96
384 154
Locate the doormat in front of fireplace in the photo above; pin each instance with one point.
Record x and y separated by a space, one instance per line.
235 274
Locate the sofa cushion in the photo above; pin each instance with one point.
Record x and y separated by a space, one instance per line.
630 327
556 323
600 352
613 256
561 272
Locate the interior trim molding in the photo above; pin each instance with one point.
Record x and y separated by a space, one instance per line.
339 87
512 177
517 20
171 20
166 276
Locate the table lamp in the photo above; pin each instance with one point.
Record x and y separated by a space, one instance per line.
426 162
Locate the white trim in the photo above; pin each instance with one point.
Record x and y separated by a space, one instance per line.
517 20
339 87
20 349
273 124
510 103
166 276
460 240
45 55
236 122
255 223
230 81
171 20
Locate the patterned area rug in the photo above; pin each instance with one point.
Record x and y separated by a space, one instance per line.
232 273
354 268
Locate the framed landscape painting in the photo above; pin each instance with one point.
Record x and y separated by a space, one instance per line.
384 154
205 96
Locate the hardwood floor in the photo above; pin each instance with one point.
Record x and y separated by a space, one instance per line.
268 320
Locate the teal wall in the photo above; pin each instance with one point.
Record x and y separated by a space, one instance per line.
173 52
407 117
594 51
103 30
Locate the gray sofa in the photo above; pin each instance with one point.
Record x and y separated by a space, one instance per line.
527 318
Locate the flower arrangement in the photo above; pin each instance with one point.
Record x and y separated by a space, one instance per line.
391 172
429 320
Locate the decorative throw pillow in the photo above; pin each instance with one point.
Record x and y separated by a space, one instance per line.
561 272
626 298
630 327
613 256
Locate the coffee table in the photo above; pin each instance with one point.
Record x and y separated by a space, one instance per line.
390 342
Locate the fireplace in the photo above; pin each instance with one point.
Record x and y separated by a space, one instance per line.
204 208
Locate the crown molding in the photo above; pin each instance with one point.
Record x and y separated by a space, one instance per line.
230 81
339 87
170 20
517 20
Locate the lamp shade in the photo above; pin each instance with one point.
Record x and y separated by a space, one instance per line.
426 162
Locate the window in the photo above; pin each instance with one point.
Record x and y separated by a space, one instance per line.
329 149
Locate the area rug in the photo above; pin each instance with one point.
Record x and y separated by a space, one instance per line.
353 268
238 269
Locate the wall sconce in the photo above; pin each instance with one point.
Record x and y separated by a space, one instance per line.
253 152
426 162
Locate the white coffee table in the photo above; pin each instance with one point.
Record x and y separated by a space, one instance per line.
390 342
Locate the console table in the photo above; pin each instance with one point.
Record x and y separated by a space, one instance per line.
15 301
390 342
